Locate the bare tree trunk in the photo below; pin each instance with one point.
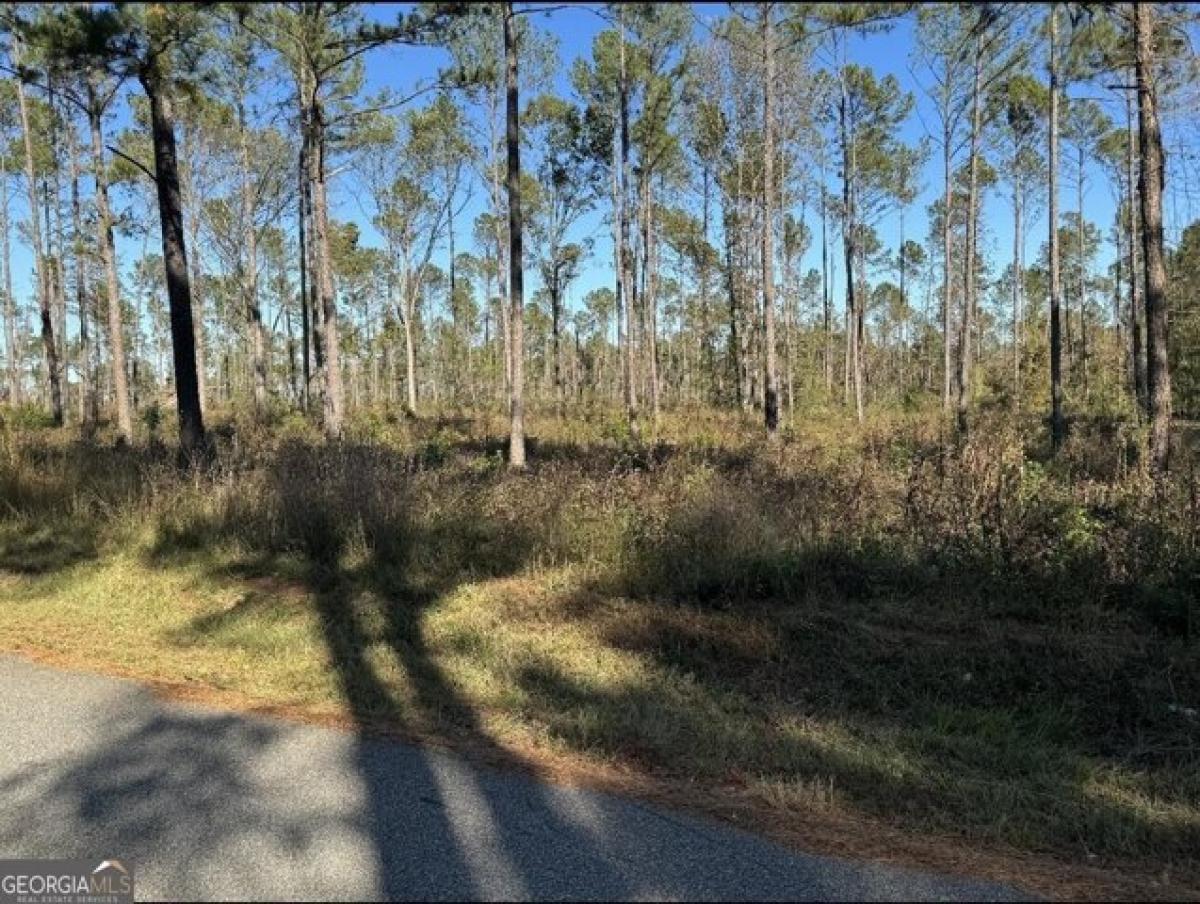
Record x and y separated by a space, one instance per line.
10 312
1158 373
108 255
88 399
506 336
293 378
706 351
791 303
197 271
947 254
555 288
860 334
848 351
618 229
56 248
41 264
902 366
850 245
650 304
1081 288
737 282
1016 293
499 232
410 349
1136 296
1057 427
826 300
389 368
770 377
188 185
1123 362
305 263
254 316
516 263
969 283
734 339
334 403
621 214
192 437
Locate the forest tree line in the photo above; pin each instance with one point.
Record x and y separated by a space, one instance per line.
717 153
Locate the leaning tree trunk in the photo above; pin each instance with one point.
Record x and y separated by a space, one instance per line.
516 267
1158 374
192 437
108 256
41 264
1057 426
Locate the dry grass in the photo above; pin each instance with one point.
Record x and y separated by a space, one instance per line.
866 628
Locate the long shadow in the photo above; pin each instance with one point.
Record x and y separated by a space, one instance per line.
439 829
498 833
183 796
374 572
376 557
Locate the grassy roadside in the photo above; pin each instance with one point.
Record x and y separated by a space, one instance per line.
859 646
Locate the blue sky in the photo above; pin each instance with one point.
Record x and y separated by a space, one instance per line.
887 52
575 27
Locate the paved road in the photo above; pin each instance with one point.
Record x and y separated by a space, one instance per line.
209 805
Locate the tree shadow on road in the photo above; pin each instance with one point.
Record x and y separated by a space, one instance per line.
438 828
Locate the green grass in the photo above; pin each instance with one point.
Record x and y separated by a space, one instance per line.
963 641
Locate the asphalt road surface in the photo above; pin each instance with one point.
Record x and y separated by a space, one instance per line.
209 805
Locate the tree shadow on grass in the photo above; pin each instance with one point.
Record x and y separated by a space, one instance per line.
375 560
896 681
893 678
370 612
41 549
